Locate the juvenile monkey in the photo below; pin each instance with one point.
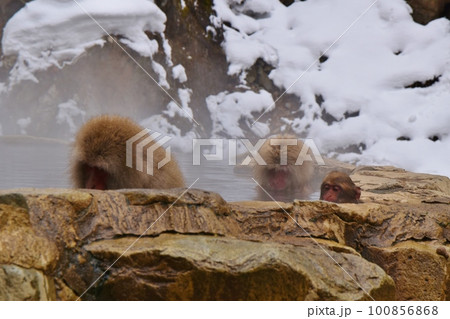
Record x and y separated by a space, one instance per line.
284 177
338 187
98 158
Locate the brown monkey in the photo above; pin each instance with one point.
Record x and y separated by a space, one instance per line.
99 158
284 178
338 187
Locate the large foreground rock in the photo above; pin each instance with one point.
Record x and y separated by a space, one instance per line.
58 244
180 267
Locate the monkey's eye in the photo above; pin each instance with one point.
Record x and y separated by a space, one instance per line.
337 188
327 187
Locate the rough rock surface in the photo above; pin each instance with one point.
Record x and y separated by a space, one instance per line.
18 283
180 267
59 244
425 11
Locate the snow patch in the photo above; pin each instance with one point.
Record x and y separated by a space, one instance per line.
162 75
23 124
55 32
69 113
160 124
364 75
182 110
229 109
179 73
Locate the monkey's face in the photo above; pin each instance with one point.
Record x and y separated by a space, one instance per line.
330 192
278 179
95 178
339 193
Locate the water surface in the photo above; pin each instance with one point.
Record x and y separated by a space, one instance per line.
44 163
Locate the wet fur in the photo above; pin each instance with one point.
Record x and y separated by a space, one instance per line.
300 176
101 143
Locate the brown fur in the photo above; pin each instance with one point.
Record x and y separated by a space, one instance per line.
299 176
101 143
349 193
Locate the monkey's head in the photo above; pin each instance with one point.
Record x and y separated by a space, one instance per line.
282 172
338 187
99 153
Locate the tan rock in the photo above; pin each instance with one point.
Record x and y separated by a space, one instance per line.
287 223
20 243
195 245
181 267
19 283
63 292
420 273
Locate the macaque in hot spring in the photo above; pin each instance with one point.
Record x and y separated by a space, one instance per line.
99 158
284 177
338 187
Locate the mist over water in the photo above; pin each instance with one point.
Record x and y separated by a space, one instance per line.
218 177
44 163
33 162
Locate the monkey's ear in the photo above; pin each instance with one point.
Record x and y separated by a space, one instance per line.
358 192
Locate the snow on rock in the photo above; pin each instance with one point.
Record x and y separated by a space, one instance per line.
182 109
55 32
179 73
162 75
229 109
23 124
160 124
371 53
69 113
422 155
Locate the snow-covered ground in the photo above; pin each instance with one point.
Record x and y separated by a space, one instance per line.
371 52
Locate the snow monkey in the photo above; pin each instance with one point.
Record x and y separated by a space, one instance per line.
98 158
338 187
286 176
